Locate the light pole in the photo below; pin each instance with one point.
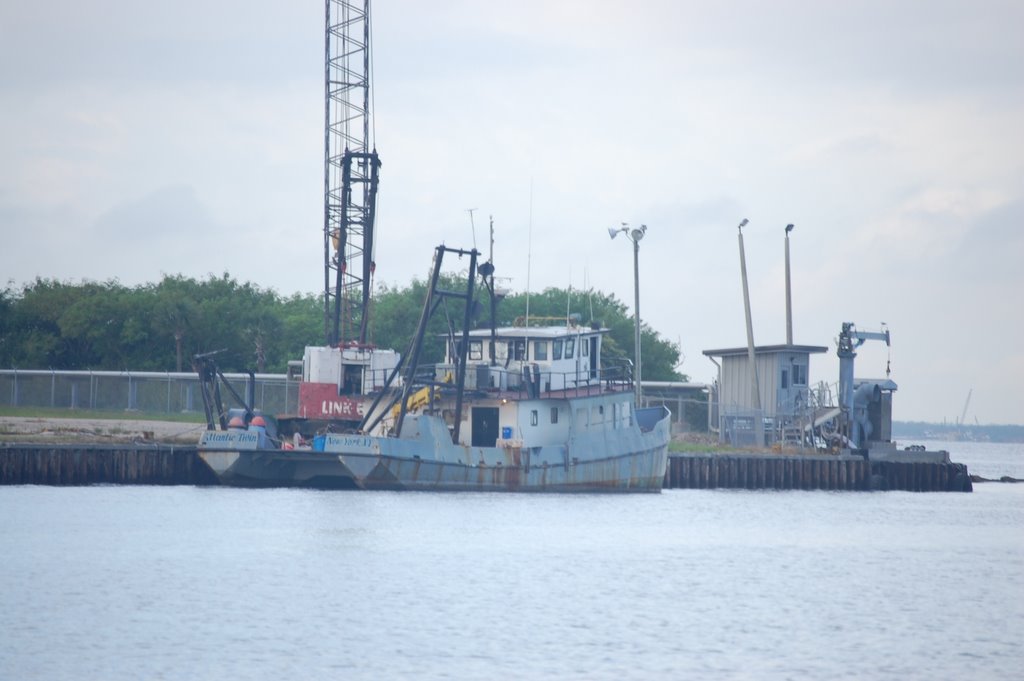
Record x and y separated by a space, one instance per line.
789 296
755 392
634 235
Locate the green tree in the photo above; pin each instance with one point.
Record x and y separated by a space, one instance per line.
34 334
174 307
260 323
7 311
93 327
302 324
160 327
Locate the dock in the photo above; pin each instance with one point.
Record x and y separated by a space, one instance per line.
163 464
814 472
96 464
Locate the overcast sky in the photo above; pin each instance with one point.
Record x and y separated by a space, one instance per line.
138 139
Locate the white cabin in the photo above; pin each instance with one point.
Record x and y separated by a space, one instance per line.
354 370
564 357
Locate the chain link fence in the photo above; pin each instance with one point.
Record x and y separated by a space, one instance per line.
688 403
145 392
160 393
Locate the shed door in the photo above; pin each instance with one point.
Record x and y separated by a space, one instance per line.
784 401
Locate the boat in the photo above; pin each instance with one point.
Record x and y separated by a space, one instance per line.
517 408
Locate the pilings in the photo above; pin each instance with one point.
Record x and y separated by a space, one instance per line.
847 473
30 464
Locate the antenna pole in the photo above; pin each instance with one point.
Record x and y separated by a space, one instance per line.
529 253
472 225
494 301
789 295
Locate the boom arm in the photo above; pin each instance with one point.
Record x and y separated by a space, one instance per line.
351 170
849 340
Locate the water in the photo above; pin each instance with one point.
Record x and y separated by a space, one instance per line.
989 460
206 583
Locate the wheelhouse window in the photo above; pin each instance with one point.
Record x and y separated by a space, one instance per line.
570 347
518 349
476 350
799 374
585 347
556 350
540 350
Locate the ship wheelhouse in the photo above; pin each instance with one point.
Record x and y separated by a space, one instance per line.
562 358
539 386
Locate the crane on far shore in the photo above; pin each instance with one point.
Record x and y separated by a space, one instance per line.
963 415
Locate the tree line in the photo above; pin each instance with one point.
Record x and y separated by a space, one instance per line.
50 324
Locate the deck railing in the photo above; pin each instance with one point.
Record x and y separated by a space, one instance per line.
527 382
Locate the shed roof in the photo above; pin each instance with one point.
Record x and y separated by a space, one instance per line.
767 350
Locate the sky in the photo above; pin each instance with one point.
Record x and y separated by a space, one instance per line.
143 139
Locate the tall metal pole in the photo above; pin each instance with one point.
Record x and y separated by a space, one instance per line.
789 295
755 392
636 316
634 235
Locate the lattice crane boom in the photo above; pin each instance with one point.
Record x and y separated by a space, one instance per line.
351 173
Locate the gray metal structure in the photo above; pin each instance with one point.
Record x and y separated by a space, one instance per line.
784 391
351 169
853 400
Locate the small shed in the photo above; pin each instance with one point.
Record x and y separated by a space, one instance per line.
783 377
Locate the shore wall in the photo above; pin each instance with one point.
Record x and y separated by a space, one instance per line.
743 471
30 464
35 464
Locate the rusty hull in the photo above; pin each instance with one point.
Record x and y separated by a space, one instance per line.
625 460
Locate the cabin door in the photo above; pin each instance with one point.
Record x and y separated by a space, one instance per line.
485 426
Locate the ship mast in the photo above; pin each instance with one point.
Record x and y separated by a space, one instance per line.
351 168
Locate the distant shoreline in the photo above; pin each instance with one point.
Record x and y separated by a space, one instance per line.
951 433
